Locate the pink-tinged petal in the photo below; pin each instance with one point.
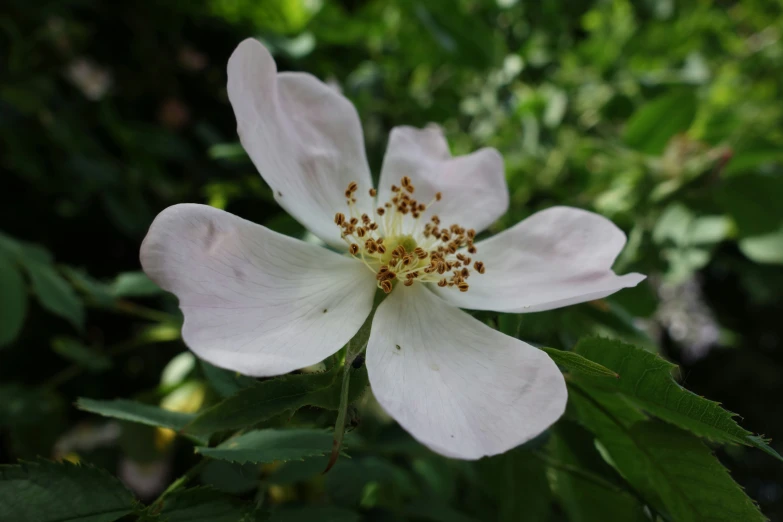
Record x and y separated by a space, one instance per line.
304 137
557 257
254 301
474 187
455 384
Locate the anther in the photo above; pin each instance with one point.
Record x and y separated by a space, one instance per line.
352 187
380 210
442 283
354 249
463 286
386 286
339 218
479 266
408 282
438 196
405 181
373 192
354 221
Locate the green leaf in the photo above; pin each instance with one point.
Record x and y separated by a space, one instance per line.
13 301
225 382
134 284
96 291
646 379
55 294
233 478
671 468
753 201
575 362
517 485
766 248
268 398
75 351
24 406
204 505
585 485
651 127
272 445
46 491
312 513
138 412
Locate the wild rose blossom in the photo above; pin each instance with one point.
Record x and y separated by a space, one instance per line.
264 304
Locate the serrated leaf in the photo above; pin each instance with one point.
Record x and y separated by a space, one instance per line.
204 505
272 445
46 491
671 468
272 397
517 485
13 300
133 411
55 294
575 362
651 127
646 379
225 382
75 351
585 485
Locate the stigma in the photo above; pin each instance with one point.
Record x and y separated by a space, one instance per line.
399 245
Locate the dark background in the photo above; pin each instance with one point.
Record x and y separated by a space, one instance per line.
664 116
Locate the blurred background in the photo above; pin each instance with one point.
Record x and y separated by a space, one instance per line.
663 115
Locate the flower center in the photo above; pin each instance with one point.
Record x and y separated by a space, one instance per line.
396 246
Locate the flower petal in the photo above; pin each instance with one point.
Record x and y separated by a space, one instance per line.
304 138
474 187
554 258
254 301
458 386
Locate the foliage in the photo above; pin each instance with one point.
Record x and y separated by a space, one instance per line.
663 116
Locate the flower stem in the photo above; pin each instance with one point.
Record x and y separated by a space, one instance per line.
156 506
353 350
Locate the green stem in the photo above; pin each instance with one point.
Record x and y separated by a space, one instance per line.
157 506
130 308
354 348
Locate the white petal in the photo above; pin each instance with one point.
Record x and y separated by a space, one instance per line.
304 138
458 386
254 301
557 257
474 187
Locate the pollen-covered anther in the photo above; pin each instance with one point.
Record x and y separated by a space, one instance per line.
429 252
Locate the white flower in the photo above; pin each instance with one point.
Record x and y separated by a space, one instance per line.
264 304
